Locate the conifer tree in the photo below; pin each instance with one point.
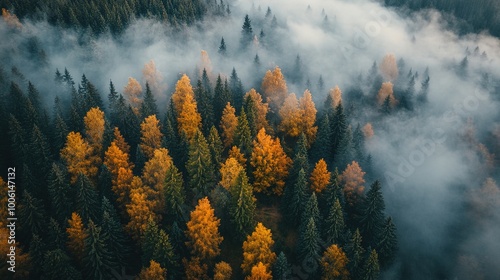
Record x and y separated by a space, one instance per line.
259 272
195 270
113 229
216 148
203 231
236 154
58 187
320 176
57 265
256 109
153 272
39 153
258 249
204 99
230 170
242 205
291 117
246 33
308 243
76 237
372 214
222 48
311 210
94 130
308 117
199 165
138 209
189 120
31 214
183 88
334 224
338 129
153 176
242 135
355 253
274 88
97 258
295 198
222 96
334 264
353 182
157 247
228 125
148 107
387 243
79 157
133 92
87 203
150 136
371 269
236 89
174 193
281 270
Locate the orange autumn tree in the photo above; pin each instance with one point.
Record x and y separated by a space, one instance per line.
94 129
154 175
261 109
229 172
133 92
334 97
114 159
195 270
386 91
308 117
79 157
389 67
153 77
259 272
334 264
274 88
138 209
353 180
120 141
123 185
320 176
222 271
257 249
150 136
183 88
202 232
11 19
236 154
368 131
270 164
228 124
205 63
76 236
153 272
189 119
290 116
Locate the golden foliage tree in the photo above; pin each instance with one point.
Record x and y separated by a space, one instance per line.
335 97
183 88
261 109
222 271
228 124
153 77
236 154
257 249
389 67
334 264
353 180
195 270
202 232
308 117
133 92
290 116
368 131
386 91
189 119
229 172
153 272
76 236
138 209
259 272
205 63
94 129
11 19
270 164
120 141
123 185
320 176
154 175
114 159
274 88
79 157
150 136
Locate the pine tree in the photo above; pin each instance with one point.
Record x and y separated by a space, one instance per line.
334 264
199 165
242 205
246 33
56 234
113 101
153 272
222 48
174 194
358 142
320 176
150 136
258 249
204 99
97 258
37 251
311 210
259 272
59 188
216 148
31 214
111 227
338 129
345 150
387 243
334 224
355 253
39 151
222 96
270 164
281 270
256 111
228 125
308 244
79 157
76 237
57 265
372 216
236 89
300 159
203 231
371 268
222 271
87 202
157 247
242 135
148 106
295 198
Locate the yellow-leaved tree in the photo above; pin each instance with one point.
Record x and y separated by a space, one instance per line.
334 264
133 92
368 131
202 232
138 209
76 236
320 176
150 136
222 271
274 88
386 91
79 157
389 67
120 141
270 164
154 175
114 159
290 116
229 172
153 272
183 88
154 78
353 179
258 249
189 119
334 97
236 154
259 272
94 129
308 117
228 124
261 108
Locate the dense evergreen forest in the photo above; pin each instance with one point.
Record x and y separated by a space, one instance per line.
257 162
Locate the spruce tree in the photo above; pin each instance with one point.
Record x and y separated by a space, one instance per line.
216 148
204 104
236 88
295 198
242 136
174 194
222 48
112 228
281 269
199 165
387 243
246 33
86 200
338 129
311 211
334 224
372 214
320 148
57 265
308 245
355 254
242 206
221 97
97 260
32 214
371 270
148 105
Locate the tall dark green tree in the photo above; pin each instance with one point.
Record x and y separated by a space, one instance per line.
216 148
246 33
37 251
242 135
32 214
222 47
372 214
338 128
334 224
148 105
236 88
308 245
281 269
58 187
156 246
97 260
221 97
295 198
86 199
174 194
311 210
58 265
56 235
355 254
203 97
320 148
345 150
242 206
113 229
199 166
371 270
39 151
112 100
387 244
